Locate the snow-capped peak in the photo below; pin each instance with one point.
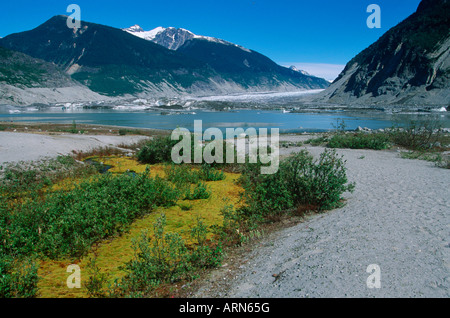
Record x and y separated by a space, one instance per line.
295 69
146 35
173 38
134 28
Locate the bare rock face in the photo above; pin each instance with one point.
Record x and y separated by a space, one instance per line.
173 38
410 64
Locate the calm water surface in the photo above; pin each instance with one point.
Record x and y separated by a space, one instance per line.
286 122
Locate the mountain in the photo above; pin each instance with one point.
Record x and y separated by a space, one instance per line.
108 60
294 68
247 67
26 80
172 38
116 63
244 66
409 64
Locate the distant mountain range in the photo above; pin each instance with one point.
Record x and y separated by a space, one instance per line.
173 38
409 64
115 63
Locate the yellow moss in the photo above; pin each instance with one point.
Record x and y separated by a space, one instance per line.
115 252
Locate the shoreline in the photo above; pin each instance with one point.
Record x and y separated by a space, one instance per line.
35 146
54 128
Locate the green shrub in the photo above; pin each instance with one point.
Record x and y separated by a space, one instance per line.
317 141
18 278
165 258
442 161
158 150
316 182
69 222
185 206
181 175
376 141
200 192
97 280
209 173
417 134
235 222
73 129
21 179
300 180
204 255
265 194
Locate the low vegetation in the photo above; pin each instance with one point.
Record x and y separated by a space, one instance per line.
300 181
424 139
43 216
359 141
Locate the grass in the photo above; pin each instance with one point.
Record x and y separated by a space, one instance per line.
113 253
436 157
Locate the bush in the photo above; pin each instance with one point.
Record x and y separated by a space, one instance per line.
185 206
209 173
161 259
417 134
376 141
300 180
165 258
316 182
18 279
200 192
97 281
235 223
203 255
158 150
181 175
21 179
317 141
69 222
265 194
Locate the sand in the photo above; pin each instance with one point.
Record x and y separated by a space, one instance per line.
15 147
398 218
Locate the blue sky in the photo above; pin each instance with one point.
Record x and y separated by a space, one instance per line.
320 36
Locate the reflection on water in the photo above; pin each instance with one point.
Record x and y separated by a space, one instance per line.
285 121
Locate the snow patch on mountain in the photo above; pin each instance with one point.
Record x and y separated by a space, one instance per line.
173 38
146 35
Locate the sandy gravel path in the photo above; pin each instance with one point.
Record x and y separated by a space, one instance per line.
398 218
16 147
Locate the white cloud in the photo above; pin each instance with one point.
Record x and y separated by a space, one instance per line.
326 71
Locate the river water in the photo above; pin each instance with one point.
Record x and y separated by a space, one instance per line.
285 121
